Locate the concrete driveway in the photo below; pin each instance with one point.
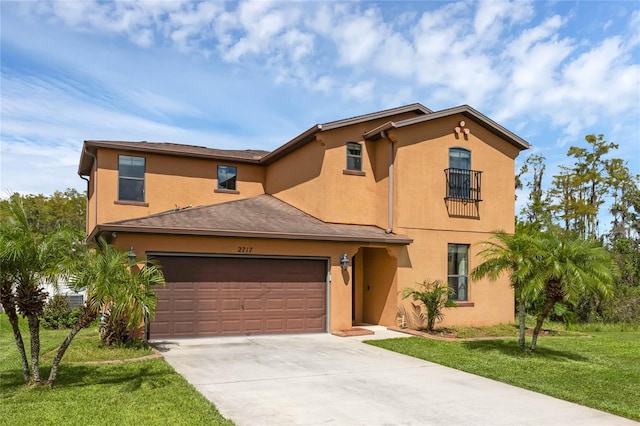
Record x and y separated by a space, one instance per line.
324 379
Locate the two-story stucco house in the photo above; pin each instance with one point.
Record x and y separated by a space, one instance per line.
321 233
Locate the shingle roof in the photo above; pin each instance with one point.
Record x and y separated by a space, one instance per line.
246 156
263 216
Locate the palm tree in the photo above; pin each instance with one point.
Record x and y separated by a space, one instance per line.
434 297
116 283
552 265
8 301
569 267
513 254
29 259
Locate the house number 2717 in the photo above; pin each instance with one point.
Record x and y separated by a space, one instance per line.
245 249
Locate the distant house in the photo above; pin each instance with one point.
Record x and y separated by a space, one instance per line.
321 233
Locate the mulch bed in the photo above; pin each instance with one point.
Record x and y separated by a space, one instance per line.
452 335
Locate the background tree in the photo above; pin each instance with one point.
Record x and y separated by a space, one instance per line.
575 200
537 208
579 190
46 213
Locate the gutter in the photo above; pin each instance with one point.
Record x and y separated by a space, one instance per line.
98 230
95 186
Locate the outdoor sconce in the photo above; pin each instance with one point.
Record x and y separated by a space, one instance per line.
132 256
344 262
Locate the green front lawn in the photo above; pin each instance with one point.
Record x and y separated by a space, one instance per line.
602 371
143 392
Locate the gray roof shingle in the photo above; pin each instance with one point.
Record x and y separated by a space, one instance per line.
263 216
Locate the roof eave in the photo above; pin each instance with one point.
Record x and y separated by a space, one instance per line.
309 135
93 145
377 133
302 139
416 107
244 234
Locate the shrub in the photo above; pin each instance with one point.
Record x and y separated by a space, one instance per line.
113 330
56 313
434 295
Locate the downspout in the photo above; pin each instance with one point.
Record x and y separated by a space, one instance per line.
389 229
86 215
95 187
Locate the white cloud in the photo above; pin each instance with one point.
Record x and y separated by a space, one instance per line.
361 91
491 14
522 63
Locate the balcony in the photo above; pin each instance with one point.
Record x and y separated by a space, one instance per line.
463 192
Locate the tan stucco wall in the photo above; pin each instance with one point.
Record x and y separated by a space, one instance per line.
422 155
311 178
379 287
427 260
169 182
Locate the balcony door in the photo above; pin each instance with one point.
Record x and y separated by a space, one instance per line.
460 173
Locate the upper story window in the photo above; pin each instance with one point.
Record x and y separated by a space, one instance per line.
354 156
458 271
131 178
462 182
459 158
227 177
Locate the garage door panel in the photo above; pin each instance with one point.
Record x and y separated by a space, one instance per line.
295 304
187 305
207 305
274 304
316 303
253 305
208 326
316 322
238 296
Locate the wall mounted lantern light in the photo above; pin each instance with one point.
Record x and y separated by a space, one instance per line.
132 255
344 262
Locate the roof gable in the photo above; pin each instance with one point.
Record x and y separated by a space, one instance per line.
465 110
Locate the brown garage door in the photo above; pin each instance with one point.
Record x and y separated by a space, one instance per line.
221 296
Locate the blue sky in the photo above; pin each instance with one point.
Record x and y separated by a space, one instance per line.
253 75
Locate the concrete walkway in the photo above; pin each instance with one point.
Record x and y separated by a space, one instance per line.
323 379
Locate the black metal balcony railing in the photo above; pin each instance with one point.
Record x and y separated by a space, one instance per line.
463 184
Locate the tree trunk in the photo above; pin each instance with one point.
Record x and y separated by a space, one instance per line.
9 306
548 306
34 329
521 319
86 316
